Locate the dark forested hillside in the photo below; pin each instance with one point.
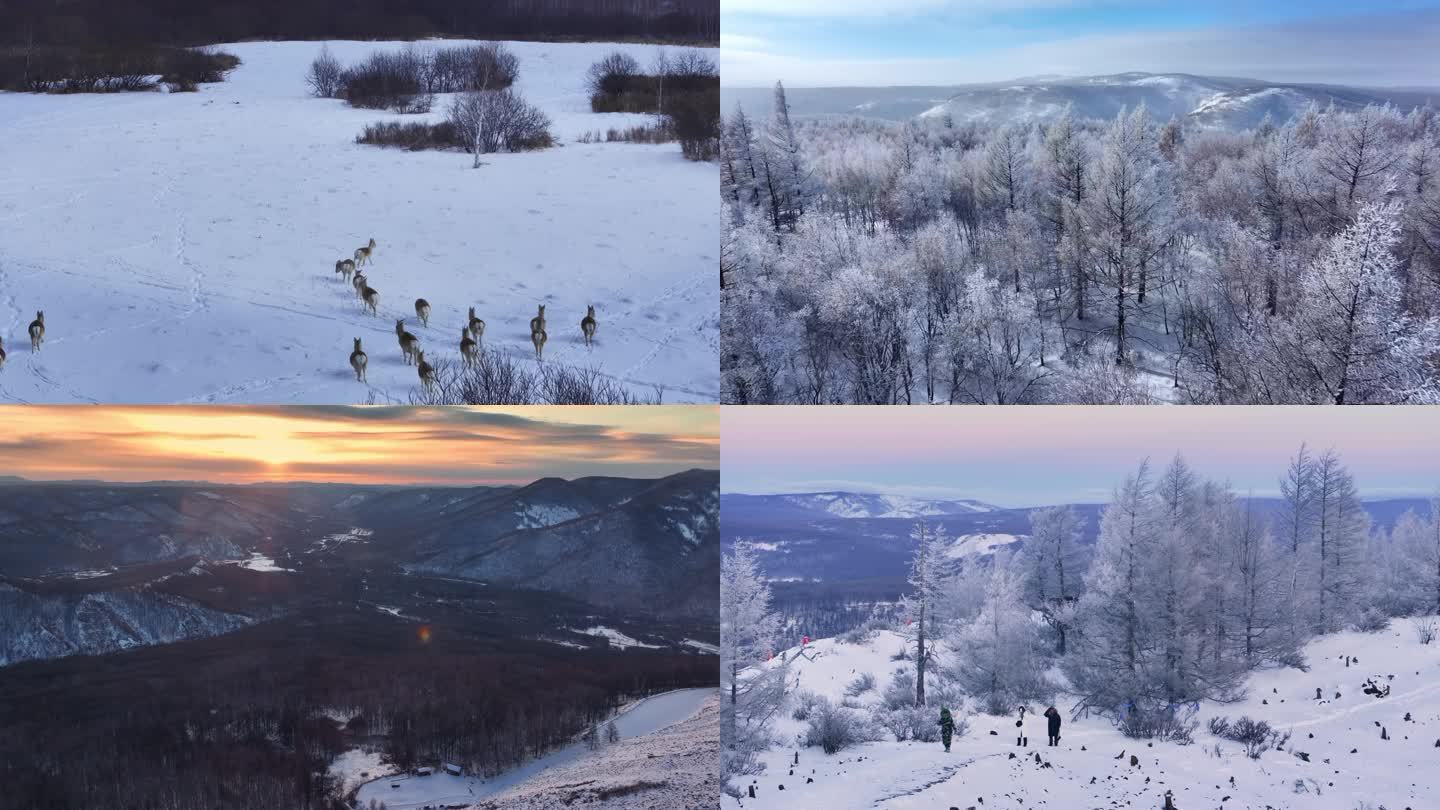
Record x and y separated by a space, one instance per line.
194 22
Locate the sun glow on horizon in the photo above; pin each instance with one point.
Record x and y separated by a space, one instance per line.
362 445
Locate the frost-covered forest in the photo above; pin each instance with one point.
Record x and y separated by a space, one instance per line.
1186 594
1081 261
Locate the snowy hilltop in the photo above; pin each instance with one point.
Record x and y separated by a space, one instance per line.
183 246
1332 757
1200 652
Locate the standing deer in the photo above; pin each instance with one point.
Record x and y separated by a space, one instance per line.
537 336
358 361
422 311
427 372
346 268
409 344
588 324
37 331
477 327
358 282
469 349
371 299
537 323
363 254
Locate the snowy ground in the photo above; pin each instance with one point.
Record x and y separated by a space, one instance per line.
1350 767
183 246
675 768
640 719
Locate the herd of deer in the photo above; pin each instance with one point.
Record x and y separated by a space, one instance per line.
470 335
349 269
37 336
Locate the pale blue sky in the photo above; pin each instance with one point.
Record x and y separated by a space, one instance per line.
812 43
1033 455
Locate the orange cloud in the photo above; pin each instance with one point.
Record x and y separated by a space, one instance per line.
355 444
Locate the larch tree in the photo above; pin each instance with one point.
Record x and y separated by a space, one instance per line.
923 606
1056 565
1128 214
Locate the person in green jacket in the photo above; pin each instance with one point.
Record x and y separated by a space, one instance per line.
947 728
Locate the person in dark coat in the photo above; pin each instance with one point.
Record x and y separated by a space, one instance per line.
1053 718
947 728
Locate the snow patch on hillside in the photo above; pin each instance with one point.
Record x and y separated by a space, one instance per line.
972 545
617 638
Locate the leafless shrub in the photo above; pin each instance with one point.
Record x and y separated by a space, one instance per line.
499 121
326 74
497 379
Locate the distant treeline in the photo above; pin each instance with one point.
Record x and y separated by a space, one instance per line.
240 721
113 23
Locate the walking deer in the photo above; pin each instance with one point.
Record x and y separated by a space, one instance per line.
469 349
358 361
371 299
346 268
537 336
422 311
588 324
427 372
409 344
477 327
363 254
537 323
37 331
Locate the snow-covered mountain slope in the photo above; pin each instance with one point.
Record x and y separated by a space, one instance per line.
1206 101
863 504
183 245
1346 764
40 625
676 768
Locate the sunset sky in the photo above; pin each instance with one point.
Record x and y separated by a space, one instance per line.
354 444
1028 456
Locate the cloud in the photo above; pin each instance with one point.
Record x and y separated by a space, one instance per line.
1375 49
362 445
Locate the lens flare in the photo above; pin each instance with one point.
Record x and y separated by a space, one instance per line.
424 633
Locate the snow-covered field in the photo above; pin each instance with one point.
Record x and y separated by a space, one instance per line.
640 719
1350 766
183 246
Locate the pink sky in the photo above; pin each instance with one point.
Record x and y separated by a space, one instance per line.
1028 455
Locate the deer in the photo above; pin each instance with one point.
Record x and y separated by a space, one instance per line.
345 267
37 331
477 327
358 361
537 336
371 299
469 349
537 323
358 282
422 311
409 344
427 372
588 324
363 254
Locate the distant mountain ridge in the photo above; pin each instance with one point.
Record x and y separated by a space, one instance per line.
1208 102
799 539
88 569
